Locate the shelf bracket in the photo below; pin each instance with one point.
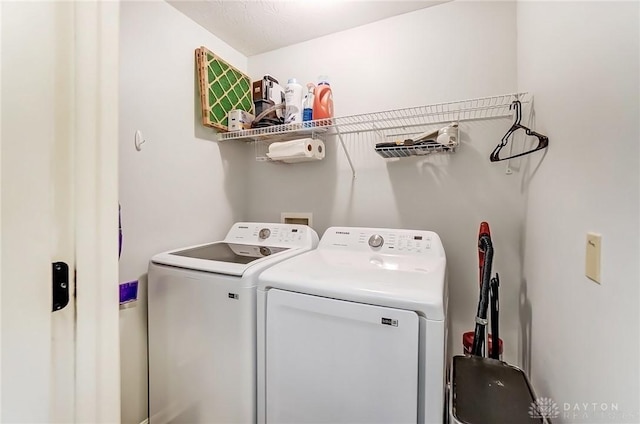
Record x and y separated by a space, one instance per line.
346 152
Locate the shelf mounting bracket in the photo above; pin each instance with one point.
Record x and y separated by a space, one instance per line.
346 152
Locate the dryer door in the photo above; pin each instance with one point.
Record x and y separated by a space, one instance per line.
333 361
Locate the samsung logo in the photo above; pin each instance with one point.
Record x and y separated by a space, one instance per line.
390 321
343 232
240 226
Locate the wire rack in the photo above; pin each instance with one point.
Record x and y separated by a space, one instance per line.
390 123
406 151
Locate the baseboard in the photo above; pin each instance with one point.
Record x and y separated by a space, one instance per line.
145 421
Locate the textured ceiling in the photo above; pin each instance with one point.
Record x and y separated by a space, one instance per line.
258 26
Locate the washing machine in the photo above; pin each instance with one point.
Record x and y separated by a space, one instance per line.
355 330
202 323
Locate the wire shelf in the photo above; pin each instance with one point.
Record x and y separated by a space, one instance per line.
388 123
418 150
280 132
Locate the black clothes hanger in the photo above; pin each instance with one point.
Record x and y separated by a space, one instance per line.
543 140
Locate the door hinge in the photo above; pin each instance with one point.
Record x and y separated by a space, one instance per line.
60 288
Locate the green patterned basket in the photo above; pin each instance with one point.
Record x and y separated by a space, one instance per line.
222 88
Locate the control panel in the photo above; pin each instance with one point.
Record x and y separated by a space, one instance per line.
382 240
270 234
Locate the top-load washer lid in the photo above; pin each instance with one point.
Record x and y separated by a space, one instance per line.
246 245
228 252
403 269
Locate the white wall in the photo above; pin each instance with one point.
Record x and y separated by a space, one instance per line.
453 51
581 59
182 188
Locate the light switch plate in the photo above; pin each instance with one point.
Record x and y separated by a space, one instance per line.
592 262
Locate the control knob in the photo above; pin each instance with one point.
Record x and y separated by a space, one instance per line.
264 233
376 240
265 251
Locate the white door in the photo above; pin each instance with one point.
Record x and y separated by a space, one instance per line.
58 203
332 361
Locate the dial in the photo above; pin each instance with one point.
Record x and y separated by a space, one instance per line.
265 251
376 240
264 233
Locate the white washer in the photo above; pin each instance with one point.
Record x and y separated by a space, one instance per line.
202 323
355 331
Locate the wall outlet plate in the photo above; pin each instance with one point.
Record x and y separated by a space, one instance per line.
302 218
592 257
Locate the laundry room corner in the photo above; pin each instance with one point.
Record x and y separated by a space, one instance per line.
519 64
181 187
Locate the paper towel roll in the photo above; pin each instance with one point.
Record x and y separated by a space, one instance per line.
302 150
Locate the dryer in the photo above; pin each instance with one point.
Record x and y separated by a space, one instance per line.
202 323
355 331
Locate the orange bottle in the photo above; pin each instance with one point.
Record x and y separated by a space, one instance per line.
323 100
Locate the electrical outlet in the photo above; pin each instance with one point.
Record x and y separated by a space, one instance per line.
592 262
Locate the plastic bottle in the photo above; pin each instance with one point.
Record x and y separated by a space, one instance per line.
323 99
448 136
293 102
307 106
